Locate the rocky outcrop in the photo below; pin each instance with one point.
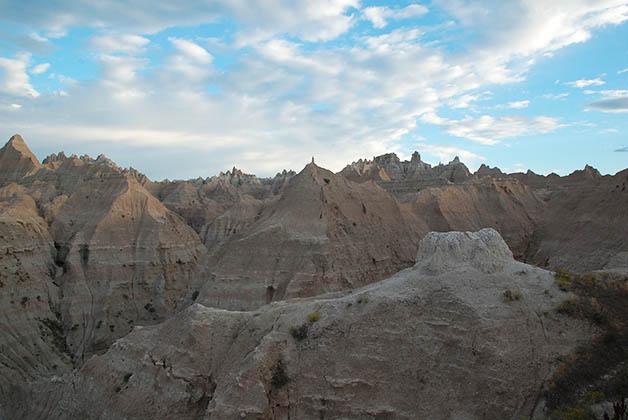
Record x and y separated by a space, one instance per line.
31 335
400 177
585 225
200 201
88 254
16 161
324 233
509 207
483 251
421 344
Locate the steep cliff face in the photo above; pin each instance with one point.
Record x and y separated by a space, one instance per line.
123 259
585 226
434 341
88 254
507 206
324 234
31 337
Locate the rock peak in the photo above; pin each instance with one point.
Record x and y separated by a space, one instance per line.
17 143
484 250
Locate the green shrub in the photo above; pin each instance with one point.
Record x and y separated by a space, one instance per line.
508 296
280 377
313 317
299 333
601 362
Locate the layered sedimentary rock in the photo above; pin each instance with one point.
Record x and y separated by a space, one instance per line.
87 253
434 341
324 233
401 178
31 335
508 206
585 225
200 201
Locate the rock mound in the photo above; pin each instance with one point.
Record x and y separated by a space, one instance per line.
485 250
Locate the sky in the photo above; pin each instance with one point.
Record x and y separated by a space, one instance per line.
180 90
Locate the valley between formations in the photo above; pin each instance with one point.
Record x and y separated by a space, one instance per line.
389 290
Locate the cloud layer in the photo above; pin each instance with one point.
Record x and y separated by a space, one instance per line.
331 78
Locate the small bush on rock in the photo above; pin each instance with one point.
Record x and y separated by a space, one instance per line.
299 333
280 377
313 317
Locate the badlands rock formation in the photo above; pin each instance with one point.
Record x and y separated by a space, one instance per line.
137 284
87 253
575 222
323 234
434 341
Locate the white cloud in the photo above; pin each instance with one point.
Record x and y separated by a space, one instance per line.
375 86
40 68
191 50
623 71
555 96
609 130
519 104
378 15
447 153
582 83
615 93
119 43
490 130
13 77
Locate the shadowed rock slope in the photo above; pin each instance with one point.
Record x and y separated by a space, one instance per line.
87 253
434 341
575 222
324 233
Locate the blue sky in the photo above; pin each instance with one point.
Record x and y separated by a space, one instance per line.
180 91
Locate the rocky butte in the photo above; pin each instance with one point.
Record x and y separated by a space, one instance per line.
389 290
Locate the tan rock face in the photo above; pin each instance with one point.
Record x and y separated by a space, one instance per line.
585 225
324 234
17 161
508 206
31 336
88 253
417 345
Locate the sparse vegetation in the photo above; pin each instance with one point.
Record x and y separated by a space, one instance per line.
24 301
602 363
509 295
362 299
326 180
280 377
313 317
299 333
